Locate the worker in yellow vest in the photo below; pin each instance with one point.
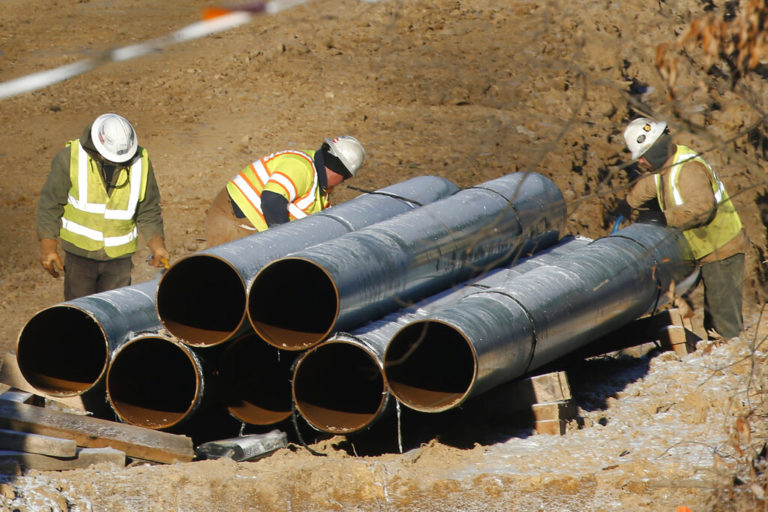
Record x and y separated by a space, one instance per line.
693 199
281 187
100 195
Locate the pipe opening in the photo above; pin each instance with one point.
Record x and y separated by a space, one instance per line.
338 388
201 300
62 351
153 383
429 366
255 381
280 290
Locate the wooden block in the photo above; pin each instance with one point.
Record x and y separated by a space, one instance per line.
562 410
35 443
11 375
137 442
550 387
13 460
552 427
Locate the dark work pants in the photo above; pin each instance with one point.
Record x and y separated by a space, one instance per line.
84 276
722 295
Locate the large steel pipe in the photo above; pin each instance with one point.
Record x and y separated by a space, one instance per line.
295 302
154 381
64 350
201 299
494 336
339 386
254 381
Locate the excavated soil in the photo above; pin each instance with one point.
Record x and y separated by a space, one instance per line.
465 89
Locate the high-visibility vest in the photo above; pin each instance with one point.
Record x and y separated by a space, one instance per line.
95 220
291 173
726 224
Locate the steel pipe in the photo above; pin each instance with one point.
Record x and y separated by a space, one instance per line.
201 299
338 385
254 381
491 337
295 302
155 382
64 350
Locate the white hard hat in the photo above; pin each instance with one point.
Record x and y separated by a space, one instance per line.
641 134
114 137
349 150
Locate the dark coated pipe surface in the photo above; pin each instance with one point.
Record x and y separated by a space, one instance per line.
295 302
339 387
496 335
254 380
201 299
64 350
155 382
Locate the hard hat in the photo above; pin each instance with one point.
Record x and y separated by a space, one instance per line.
114 138
349 150
641 134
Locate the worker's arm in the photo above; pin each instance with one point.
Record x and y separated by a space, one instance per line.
50 208
274 207
149 221
642 191
699 204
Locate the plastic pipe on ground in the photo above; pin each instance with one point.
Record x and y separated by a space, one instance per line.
201 299
295 302
496 335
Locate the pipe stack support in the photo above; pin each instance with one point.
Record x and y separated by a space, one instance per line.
201 299
358 277
339 386
496 335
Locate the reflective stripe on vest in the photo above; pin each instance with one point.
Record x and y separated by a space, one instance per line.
245 188
726 223
93 219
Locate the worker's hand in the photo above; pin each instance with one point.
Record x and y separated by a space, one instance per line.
49 256
161 258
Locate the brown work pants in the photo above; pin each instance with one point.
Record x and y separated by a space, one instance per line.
84 276
722 296
221 225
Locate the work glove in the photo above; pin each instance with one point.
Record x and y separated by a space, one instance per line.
49 256
160 256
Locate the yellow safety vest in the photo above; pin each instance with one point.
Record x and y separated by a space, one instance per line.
291 174
95 220
726 224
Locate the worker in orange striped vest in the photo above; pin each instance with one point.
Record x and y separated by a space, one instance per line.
281 187
693 198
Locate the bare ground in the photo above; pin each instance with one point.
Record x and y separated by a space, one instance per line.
469 90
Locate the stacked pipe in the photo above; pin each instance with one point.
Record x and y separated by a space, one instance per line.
295 302
201 303
493 336
65 349
339 385
201 299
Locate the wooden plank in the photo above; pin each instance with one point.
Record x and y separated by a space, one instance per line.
550 387
551 427
36 443
563 410
12 461
91 432
11 375
18 396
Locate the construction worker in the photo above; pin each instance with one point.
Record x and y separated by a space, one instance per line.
693 199
100 195
281 187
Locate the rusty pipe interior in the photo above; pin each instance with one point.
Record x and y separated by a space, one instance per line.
62 351
154 382
339 388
